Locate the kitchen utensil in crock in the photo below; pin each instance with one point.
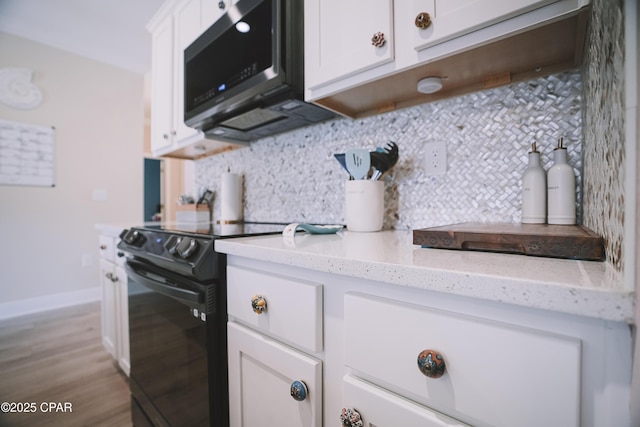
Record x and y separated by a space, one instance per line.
340 157
383 159
358 162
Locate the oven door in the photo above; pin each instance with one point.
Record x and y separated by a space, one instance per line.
169 343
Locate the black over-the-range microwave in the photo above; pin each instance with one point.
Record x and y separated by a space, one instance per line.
244 76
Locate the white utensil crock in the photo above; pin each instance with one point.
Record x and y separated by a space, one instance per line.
364 205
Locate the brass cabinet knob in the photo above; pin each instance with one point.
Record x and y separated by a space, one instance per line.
299 390
431 363
378 39
423 20
103 247
259 304
351 418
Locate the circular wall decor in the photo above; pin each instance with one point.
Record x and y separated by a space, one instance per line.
17 90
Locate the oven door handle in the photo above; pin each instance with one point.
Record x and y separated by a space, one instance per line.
153 281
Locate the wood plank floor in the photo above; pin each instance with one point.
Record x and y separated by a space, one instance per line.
58 357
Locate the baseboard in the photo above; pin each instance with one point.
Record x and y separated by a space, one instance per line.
48 302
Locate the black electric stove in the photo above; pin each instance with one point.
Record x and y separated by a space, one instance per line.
177 321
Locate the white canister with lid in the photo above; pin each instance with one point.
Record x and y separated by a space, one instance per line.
534 190
561 189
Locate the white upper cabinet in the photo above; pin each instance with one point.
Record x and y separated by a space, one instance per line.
175 26
211 10
162 84
188 28
338 37
346 71
452 18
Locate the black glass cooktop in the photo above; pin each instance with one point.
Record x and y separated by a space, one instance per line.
217 230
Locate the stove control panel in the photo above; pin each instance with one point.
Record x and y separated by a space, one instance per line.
190 255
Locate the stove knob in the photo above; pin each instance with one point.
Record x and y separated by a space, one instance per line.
133 238
186 247
172 244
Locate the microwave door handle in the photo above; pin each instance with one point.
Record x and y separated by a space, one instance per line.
138 275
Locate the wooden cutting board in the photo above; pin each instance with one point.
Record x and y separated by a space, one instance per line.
557 241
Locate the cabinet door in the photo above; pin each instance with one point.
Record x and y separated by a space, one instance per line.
338 38
187 20
261 371
162 85
379 408
453 18
212 10
109 319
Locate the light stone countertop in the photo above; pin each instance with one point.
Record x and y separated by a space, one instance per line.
586 288
115 229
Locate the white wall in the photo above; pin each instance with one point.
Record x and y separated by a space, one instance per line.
97 111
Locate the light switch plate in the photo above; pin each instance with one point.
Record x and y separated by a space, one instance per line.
99 195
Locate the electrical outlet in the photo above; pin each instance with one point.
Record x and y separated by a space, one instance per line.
435 158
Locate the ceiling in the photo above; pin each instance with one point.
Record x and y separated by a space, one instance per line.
109 31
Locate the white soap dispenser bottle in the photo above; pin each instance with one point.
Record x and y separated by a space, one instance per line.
534 190
561 189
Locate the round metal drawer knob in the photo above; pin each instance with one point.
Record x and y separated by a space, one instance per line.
351 418
423 20
378 39
299 390
431 363
259 304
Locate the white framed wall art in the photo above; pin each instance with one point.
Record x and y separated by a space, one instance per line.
27 154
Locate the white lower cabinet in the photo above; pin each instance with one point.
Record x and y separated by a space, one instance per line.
261 373
115 304
378 407
292 311
109 310
275 324
381 349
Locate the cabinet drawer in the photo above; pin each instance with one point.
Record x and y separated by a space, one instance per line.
496 374
379 408
261 372
107 245
293 307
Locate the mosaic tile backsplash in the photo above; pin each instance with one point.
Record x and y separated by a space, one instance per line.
294 176
604 148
